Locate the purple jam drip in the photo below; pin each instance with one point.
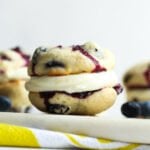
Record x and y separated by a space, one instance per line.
118 88
46 96
24 56
147 75
97 68
4 57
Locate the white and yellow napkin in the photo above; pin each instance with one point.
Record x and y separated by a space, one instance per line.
18 136
57 131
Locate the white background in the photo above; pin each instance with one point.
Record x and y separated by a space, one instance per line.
122 26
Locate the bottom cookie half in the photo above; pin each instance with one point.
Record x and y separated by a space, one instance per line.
86 103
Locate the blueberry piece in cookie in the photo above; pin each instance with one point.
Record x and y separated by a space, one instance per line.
36 53
58 109
4 57
54 63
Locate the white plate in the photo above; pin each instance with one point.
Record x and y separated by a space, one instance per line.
126 130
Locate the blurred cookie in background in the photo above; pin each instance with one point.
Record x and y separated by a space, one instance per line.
13 75
137 84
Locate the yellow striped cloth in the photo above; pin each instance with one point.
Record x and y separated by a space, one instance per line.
18 136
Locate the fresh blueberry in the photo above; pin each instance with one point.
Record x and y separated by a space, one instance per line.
131 109
5 103
145 108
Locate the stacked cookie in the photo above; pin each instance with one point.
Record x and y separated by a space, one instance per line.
73 80
137 83
13 75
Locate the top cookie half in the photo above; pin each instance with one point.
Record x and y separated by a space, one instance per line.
75 59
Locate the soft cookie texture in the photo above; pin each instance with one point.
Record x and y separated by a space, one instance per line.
13 75
137 82
61 79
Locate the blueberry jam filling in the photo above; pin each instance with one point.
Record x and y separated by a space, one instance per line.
54 63
24 56
97 68
4 57
81 95
53 108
